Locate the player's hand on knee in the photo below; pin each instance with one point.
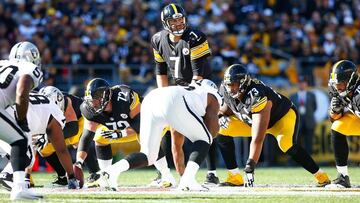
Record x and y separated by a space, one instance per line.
336 105
224 122
111 134
39 141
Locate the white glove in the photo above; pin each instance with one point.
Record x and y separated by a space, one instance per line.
111 134
224 122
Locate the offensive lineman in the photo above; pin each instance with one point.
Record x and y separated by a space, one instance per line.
344 112
253 109
19 75
192 111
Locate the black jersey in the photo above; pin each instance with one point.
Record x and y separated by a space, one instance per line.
184 59
123 100
255 99
76 103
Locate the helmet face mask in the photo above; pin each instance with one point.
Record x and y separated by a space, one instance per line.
97 95
54 94
25 51
344 77
236 80
173 18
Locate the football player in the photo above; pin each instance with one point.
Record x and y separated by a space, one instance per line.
344 111
20 74
70 105
46 121
183 52
190 110
117 108
254 109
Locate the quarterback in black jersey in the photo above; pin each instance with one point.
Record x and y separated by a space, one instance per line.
181 52
253 109
344 111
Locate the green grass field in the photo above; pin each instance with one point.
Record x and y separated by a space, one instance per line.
273 185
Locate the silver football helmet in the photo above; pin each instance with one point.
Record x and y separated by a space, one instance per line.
210 87
54 94
25 51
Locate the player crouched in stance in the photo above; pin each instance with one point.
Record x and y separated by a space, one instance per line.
117 108
192 111
46 121
344 111
72 130
252 108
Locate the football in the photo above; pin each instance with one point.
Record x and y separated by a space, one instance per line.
79 175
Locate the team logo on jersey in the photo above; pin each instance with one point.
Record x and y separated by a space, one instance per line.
124 116
111 118
185 51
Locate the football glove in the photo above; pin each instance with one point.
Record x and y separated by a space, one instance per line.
224 122
73 183
336 105
40 141
249 173
111 134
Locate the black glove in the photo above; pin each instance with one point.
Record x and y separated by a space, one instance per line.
40 141
224 122
72 182
249 173
111 134
336 105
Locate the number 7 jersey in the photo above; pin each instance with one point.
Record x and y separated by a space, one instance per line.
10 72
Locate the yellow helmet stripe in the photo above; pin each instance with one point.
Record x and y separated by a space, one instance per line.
174 8
333 72
87 91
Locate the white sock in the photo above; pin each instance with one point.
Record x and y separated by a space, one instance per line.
234 171
19 177
190 170
162 166
8 168
213 172
103 164
343 170
118 167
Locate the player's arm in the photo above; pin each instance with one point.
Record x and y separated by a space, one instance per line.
199 51
71 126
56 137
177 142
211 118
23 88
260 122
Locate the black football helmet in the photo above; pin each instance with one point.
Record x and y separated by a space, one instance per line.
97 95
173 11
344 71
236 73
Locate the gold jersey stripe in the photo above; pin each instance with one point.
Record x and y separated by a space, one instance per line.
135 101
200 48
259 106
158 57
174 7
200 55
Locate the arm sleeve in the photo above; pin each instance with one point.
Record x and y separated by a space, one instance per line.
71 129
85 140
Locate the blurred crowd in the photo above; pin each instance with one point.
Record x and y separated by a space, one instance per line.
277 39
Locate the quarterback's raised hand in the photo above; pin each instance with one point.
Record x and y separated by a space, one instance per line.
224 122
111 134
249 173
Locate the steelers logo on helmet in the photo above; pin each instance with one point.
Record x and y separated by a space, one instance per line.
97 95
236 80
173 18
344 77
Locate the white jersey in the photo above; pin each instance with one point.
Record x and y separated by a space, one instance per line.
10 72
40 110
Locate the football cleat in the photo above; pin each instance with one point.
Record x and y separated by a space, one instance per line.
191 185
105 181
91 181
156 181
340 182
167 181
20 191
60 181
29 180
233 180
322 179
6 180
211 180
